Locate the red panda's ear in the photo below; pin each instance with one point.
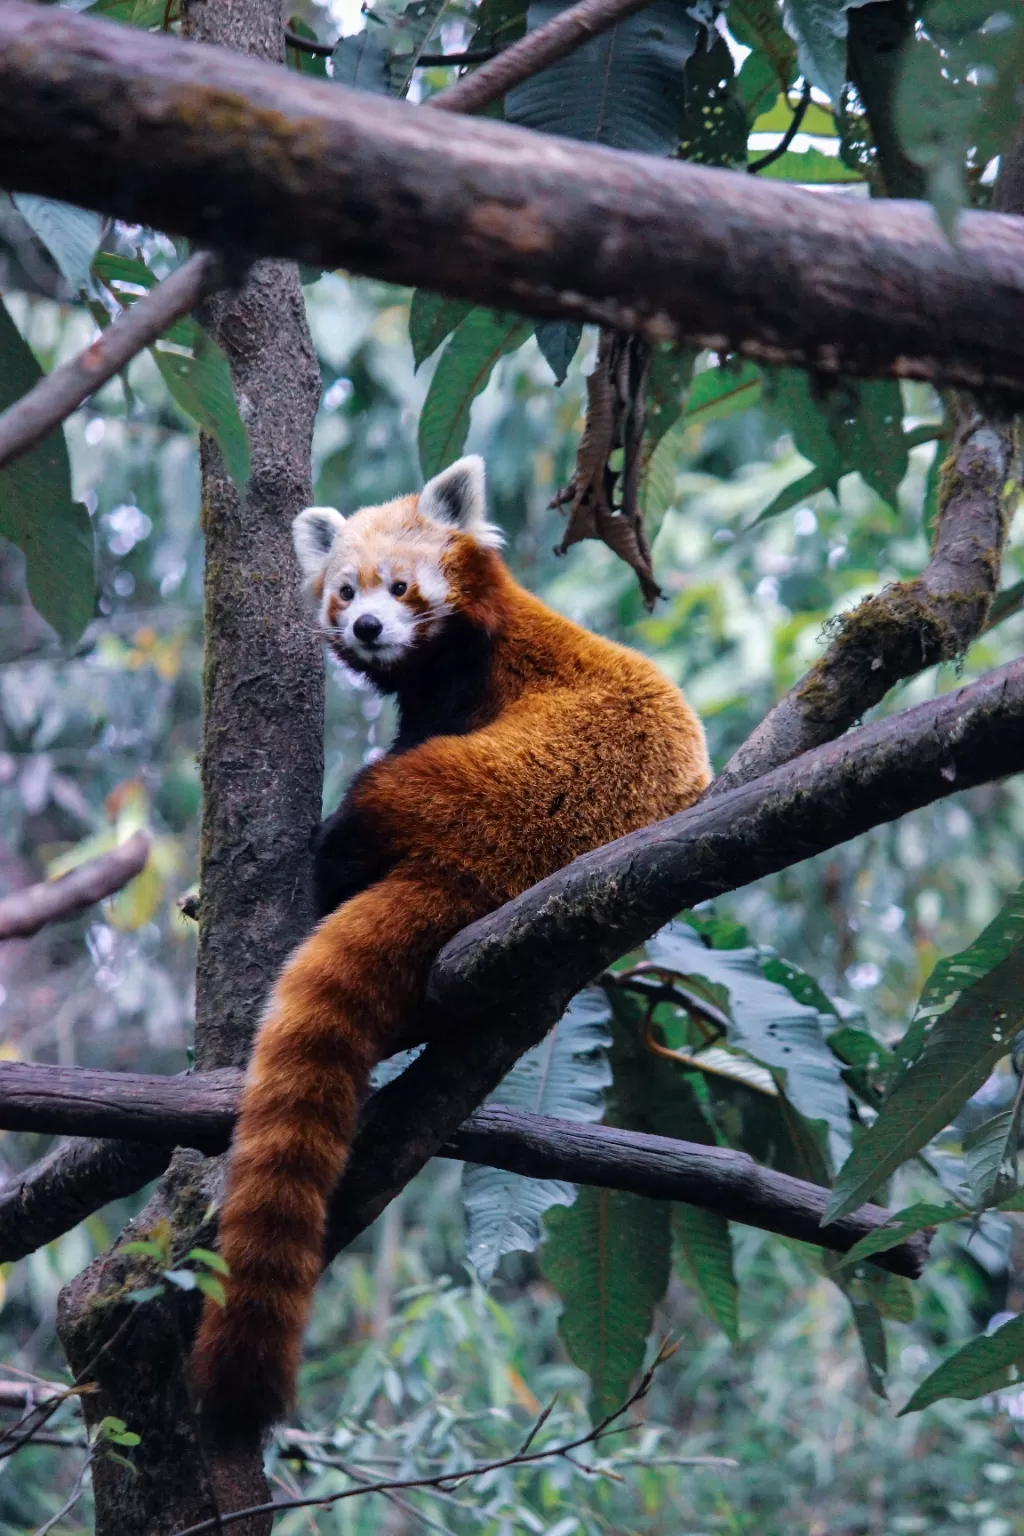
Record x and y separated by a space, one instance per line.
457 498
313 534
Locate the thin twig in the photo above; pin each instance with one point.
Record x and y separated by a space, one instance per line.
49 402
799 113
76 1494
25 912
445 1480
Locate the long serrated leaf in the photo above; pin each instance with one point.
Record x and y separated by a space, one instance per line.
968 1016
462 372
565 1077
984 1365
199 381
990 1156
702 1246
70 234
623 89
768 1024
718 393
432 318
37 512
607 1256
900 1226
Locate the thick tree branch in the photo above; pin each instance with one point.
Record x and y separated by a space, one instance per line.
505 980
200 1112
25 912
912 624
71 1182
28 421
234 152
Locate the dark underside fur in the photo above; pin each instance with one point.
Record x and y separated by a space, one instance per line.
442 690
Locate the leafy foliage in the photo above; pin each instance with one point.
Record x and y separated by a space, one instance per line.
565 1077
37 512
465 366
965 1023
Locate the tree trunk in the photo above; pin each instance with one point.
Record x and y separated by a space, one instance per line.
262 766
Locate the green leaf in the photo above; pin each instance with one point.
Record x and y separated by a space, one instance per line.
70 234
958 92
871 1333
758 84
714 126
145 1293
810 167
768 1024
432 317
191 365
718 393
624 88
987 1364
116 1431
851 425
819 27
36 510
304 63
153 1250
757 24
990 1156
903 1224
210 1259
362 61
657 487
199 381
607 1256
212 1287
703 1253
892 1295
462 372
668 380
407 29
566 1077
558 341
802 489
966 1019
865 1060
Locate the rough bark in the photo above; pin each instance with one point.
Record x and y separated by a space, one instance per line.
200 1112
261 773
237 154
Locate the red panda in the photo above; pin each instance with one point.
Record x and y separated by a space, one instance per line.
523 741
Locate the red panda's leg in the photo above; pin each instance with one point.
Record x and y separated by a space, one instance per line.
338 1008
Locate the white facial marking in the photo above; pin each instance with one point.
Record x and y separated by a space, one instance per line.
375 626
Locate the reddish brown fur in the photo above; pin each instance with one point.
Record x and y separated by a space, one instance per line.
584 742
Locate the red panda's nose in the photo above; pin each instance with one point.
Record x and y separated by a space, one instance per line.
366 628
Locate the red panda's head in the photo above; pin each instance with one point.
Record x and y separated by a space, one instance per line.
387 579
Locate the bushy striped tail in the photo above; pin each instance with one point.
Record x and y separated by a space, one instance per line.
339 1007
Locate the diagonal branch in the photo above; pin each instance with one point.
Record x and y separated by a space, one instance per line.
200 1112
25 912
232 151
504 981
29 419
913 624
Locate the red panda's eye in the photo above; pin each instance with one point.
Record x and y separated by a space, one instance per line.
399 588
346 593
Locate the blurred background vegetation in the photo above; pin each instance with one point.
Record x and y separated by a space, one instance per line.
413 1362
